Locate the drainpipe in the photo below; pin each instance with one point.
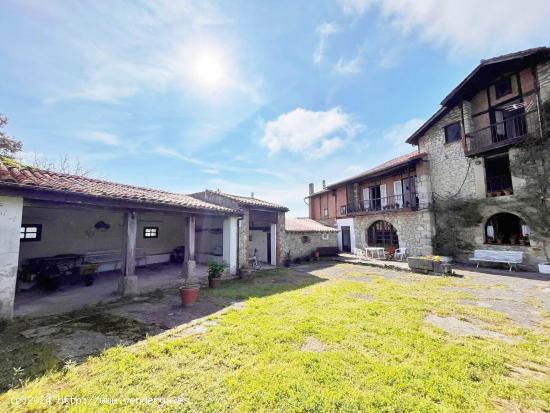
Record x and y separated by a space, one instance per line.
239 222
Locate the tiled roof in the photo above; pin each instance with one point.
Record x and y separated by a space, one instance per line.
306 225
24 176
392 163
249 201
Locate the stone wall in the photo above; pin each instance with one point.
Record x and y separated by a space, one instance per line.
414 229
451 172
533 254
294 242
243 233
543 75
281 247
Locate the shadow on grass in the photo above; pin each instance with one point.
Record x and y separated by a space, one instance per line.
32 347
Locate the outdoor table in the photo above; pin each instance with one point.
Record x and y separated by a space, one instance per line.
373 250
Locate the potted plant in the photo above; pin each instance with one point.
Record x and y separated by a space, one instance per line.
287 260
317 254
215 271
514 238
190 289
500 238
490 240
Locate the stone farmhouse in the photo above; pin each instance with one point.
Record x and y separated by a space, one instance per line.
54 224
468 184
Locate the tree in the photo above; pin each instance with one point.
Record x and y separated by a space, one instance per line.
8 146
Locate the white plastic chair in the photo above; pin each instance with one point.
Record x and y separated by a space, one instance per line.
400 254
360 253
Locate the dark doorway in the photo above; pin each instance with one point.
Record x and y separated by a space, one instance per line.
498 176
269 247
346 239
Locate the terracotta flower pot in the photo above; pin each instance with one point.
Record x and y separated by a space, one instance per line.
214 282
317 254
189 295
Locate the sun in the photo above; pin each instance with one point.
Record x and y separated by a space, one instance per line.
209 70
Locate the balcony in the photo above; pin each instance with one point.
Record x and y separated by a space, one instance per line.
394 203
502 134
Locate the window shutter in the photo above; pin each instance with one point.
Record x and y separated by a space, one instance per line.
398 193
383 195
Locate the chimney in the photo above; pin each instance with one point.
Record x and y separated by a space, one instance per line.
311 189
252 195
324 184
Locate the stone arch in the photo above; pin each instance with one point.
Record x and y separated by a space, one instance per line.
382 233
507 228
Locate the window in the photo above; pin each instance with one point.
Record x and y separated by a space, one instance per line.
453 132
343 210
150 232
382 233
505 228
324 236
325 212
497 175
503 87
30 232
305 239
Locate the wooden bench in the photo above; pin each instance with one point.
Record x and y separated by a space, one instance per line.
512 258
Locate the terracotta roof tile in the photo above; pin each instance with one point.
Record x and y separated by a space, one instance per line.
400 160
306 225
249 201
24 176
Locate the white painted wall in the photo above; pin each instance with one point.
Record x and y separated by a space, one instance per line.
259 241
346 222
71 230
230 243
11 209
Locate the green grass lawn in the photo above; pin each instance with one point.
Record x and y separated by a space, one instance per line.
374 352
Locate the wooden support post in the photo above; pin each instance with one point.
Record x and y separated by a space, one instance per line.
128 282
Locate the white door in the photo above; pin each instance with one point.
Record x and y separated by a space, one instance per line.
383 195
398 193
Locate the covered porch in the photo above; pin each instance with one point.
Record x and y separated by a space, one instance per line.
59 256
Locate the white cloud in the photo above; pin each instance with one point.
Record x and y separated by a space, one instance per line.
309 133
355 7
101 137
349 67
464 27
398 134
324 31
212 168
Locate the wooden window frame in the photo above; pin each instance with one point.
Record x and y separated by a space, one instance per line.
446 129
500 82
24 231
149 236
325 236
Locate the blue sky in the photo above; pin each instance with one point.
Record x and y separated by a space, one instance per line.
244 96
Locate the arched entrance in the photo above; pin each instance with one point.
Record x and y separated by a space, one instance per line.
506 228
382 234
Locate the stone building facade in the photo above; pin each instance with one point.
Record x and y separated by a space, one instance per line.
497 107
466 155
261 227
303 236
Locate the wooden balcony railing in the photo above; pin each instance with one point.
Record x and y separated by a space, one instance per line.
387 204
501 134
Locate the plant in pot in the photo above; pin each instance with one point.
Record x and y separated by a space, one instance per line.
190 289
500 238
514 238
215 272
317 254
